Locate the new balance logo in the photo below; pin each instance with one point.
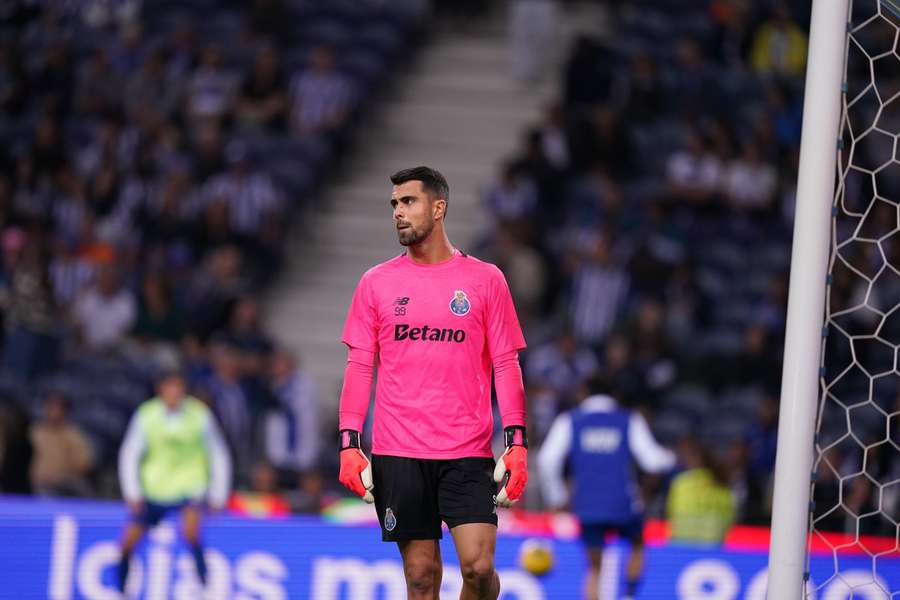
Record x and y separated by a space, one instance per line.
402 332
400 306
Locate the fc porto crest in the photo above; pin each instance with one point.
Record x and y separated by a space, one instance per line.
390 521
460 304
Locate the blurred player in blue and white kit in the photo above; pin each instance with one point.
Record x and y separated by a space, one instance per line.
173 459
601 441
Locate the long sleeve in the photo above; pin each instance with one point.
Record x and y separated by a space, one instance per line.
130 455
552 459
219 465
357 388
510 389
652 457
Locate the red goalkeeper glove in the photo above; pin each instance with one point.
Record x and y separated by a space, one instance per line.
356 470
515 462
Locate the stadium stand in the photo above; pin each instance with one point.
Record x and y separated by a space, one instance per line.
153 154
654 206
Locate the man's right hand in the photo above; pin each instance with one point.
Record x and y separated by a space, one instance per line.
356 473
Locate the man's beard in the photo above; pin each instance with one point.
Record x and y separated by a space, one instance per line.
411 236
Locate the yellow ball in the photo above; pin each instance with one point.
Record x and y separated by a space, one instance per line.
536 556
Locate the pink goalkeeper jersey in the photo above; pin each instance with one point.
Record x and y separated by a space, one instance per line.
436 329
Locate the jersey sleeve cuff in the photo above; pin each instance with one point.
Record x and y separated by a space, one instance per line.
351 420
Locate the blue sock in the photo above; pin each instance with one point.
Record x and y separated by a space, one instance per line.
631 587
200 561
122 570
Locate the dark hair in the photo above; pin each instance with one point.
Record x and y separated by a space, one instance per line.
600 383
170 374
59 397
432 180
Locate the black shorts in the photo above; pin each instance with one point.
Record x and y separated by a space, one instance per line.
413 495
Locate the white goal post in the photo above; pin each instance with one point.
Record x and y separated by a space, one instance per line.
806 301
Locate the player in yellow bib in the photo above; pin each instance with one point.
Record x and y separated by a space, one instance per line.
173 458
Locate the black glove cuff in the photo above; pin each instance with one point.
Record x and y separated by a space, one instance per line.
515 435
348 438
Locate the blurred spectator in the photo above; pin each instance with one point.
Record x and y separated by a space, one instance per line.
292 429
321 97
208 151
12 243
751 496
249 192
14 83
181 49
700 506
762 436
70 211
513 197
687 306
651 355
693 86
693 173
263 500
599 138
779 45
99 89
262 101
786 116
100 13
213 289
151 89
157 315
62 453
534 161
756 364
309 494
212 87
622 372
31 346
532 31
104 312
245 334
158 326
749 183
562 364
599 290
46 155
588 75
642 94
554 137
734 28
230 403
53 83
16 450
525 274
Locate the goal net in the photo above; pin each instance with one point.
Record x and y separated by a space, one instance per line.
856 473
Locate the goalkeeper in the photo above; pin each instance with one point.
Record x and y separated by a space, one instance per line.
436 322
173 459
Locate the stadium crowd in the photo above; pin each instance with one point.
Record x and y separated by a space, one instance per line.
644 227
153 155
